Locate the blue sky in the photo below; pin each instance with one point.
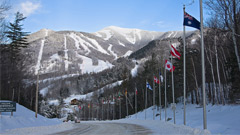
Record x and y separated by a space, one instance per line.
94 15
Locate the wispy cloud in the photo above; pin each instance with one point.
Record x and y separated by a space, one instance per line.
166 26
160 24
28 7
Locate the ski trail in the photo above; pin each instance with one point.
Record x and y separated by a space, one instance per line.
175 34
79 41
66 62
39 58
46 32
170 34
112 52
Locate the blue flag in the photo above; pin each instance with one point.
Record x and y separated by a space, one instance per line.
191 21
149 86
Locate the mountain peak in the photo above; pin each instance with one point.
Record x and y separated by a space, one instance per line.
120 29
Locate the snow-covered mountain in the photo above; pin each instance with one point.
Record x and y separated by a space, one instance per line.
81 52
71 62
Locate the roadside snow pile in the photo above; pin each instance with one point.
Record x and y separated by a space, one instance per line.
166 128
220 119
22 118
41 130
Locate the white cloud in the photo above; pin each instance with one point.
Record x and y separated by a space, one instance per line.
160 24
28 8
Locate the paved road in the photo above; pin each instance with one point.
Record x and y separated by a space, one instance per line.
106 129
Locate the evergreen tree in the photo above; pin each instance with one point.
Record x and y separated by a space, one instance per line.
13 61
16 35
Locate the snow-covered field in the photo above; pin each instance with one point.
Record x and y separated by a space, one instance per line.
23 118
220 120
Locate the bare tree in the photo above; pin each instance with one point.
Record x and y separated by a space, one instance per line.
4 7
226 11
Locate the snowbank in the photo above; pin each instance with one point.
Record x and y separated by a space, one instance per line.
220 119
23 118
166 128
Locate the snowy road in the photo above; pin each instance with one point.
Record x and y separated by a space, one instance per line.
106 129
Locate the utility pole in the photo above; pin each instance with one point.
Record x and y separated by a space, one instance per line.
36 102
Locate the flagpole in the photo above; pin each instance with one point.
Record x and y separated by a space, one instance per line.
203 69
89 117
113 107
126 103
153 99
120 114
173 94
135 101
165 95
184 73
146 102
107 108
98 111
102 109
159 89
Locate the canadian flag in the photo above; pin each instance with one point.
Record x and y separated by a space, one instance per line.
169 66
156 80
174 52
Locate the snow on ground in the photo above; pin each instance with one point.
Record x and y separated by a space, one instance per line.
117 83
128 53
112 52
170 34
134 70
59 77
97 34
107 33
66 62
95 43
44 91
175 34
46 32
79 41
220 119
165 128
68 99
88 67
138 33
193 41
39 58
53 102
23 118
88 95
129 34
40 130
120 43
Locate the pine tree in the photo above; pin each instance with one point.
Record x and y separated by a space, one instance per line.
17 40
17 37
